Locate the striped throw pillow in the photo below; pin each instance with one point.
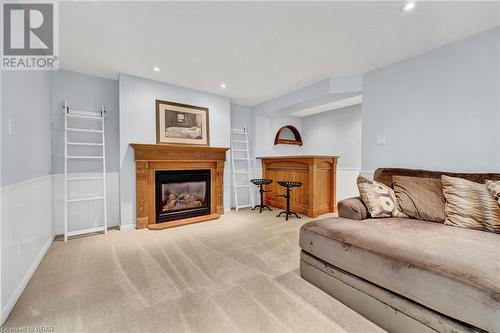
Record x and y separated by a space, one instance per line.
379 199
470 205
494 188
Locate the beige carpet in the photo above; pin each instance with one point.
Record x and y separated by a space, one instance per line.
239 273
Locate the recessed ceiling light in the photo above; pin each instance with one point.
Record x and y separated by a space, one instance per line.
223 85
408 7
156 69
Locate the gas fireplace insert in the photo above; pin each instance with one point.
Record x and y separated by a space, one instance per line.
181 194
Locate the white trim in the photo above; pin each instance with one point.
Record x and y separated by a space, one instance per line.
8 188
85 231
24 282
127 227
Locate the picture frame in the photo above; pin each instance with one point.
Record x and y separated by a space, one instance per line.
181 124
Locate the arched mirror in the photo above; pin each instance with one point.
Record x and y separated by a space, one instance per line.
288 135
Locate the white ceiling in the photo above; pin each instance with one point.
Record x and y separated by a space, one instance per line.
260 49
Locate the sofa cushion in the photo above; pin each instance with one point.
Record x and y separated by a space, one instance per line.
470 205
378 198
451 270
420 198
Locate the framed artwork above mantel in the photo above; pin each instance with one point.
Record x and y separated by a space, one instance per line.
181 124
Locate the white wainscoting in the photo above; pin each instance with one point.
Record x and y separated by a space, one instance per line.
26 234
87 214
367 174
346 183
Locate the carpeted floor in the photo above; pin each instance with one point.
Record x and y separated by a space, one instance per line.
239 273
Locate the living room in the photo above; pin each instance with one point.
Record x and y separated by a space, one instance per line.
250 166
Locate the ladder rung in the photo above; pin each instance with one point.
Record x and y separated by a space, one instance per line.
86 199
238 141
82 130
81 116
84 144
85 178
242 185
86 157
85 231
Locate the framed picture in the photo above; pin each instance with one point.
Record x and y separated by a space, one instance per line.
181 124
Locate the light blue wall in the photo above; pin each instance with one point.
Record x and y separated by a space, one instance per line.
241 116
87 93
138 125
336 132
26 153
439 110
26 193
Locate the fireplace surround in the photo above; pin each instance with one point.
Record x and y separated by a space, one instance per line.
150 158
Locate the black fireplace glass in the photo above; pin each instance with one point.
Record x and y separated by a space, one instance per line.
181 194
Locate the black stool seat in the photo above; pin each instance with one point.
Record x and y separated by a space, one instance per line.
260 182
288 185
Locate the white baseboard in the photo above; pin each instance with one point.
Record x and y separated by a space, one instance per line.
24 282
127 227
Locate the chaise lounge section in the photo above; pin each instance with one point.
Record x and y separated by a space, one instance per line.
403 274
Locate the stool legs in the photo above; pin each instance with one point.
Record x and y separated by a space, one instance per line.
261 206
288 212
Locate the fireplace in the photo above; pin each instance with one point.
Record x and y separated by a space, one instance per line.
168 160
181 194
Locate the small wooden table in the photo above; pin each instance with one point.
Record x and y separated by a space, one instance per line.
317 175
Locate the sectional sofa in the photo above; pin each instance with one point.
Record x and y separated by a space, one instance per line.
406 275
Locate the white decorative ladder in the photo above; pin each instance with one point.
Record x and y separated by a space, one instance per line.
97 116
240 151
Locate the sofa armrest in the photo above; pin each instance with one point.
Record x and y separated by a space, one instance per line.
353 208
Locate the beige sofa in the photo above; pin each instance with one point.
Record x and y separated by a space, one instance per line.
406 275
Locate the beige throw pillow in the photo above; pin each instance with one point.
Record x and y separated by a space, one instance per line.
379 199
420 198
470 205
494 188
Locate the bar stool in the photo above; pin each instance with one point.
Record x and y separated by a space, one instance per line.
288 185
260 183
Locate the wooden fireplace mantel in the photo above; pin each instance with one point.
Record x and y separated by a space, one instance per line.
152 157
162 152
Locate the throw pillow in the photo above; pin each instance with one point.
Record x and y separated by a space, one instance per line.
379 199
494 188
420 198
470 205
